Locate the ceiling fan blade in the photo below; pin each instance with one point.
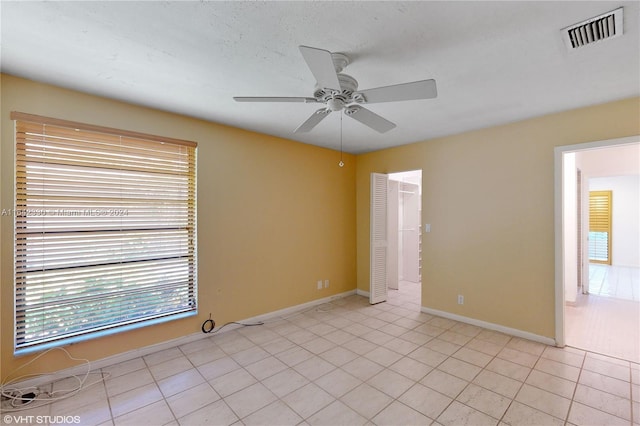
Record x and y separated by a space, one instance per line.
424 89
369 118
312 121
273 99
321 65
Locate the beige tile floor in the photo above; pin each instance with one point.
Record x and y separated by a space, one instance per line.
607 320
620 282
350 363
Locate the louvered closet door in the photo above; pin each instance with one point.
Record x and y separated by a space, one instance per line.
600 227
378 273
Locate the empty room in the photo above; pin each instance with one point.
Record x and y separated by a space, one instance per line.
323 213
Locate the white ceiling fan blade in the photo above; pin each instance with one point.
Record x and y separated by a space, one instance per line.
312 121
423 89
273 99
321 65
369 118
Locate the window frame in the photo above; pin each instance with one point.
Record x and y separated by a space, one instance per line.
191 230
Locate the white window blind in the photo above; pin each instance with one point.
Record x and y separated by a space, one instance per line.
105 231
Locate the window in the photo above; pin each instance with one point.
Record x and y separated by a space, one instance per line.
600 227
105 231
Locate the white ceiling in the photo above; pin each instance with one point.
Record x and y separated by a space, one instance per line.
619 160
494 62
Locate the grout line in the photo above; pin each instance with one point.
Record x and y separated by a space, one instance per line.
106 393
575 388
519 388
599 353
631 394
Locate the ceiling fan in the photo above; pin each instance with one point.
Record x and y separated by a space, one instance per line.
340 92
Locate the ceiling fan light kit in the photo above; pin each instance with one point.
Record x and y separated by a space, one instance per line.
339 92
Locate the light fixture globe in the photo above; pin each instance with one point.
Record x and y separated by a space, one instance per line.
335 104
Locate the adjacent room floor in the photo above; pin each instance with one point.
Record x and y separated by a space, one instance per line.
607 320
350 363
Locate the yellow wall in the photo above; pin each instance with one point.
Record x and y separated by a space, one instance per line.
274 216
488 195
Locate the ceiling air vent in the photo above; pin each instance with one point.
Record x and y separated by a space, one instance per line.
601 27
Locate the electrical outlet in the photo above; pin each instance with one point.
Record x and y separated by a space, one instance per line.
326 283
319 284
460 299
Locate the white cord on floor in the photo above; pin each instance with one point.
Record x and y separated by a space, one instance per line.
318 308
16 395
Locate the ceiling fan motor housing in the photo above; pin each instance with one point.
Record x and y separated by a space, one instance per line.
340 61
337 99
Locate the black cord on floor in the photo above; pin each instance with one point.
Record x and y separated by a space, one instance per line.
209 325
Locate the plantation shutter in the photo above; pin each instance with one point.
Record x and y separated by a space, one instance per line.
600 227
105 230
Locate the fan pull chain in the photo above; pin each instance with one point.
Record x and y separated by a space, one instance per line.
341 163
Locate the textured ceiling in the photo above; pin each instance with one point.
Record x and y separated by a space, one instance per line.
494 62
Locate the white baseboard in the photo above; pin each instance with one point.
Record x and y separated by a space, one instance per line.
491 326
293 309
488 325
81 370
362 293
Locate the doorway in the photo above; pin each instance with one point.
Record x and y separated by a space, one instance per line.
588 317
404 220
